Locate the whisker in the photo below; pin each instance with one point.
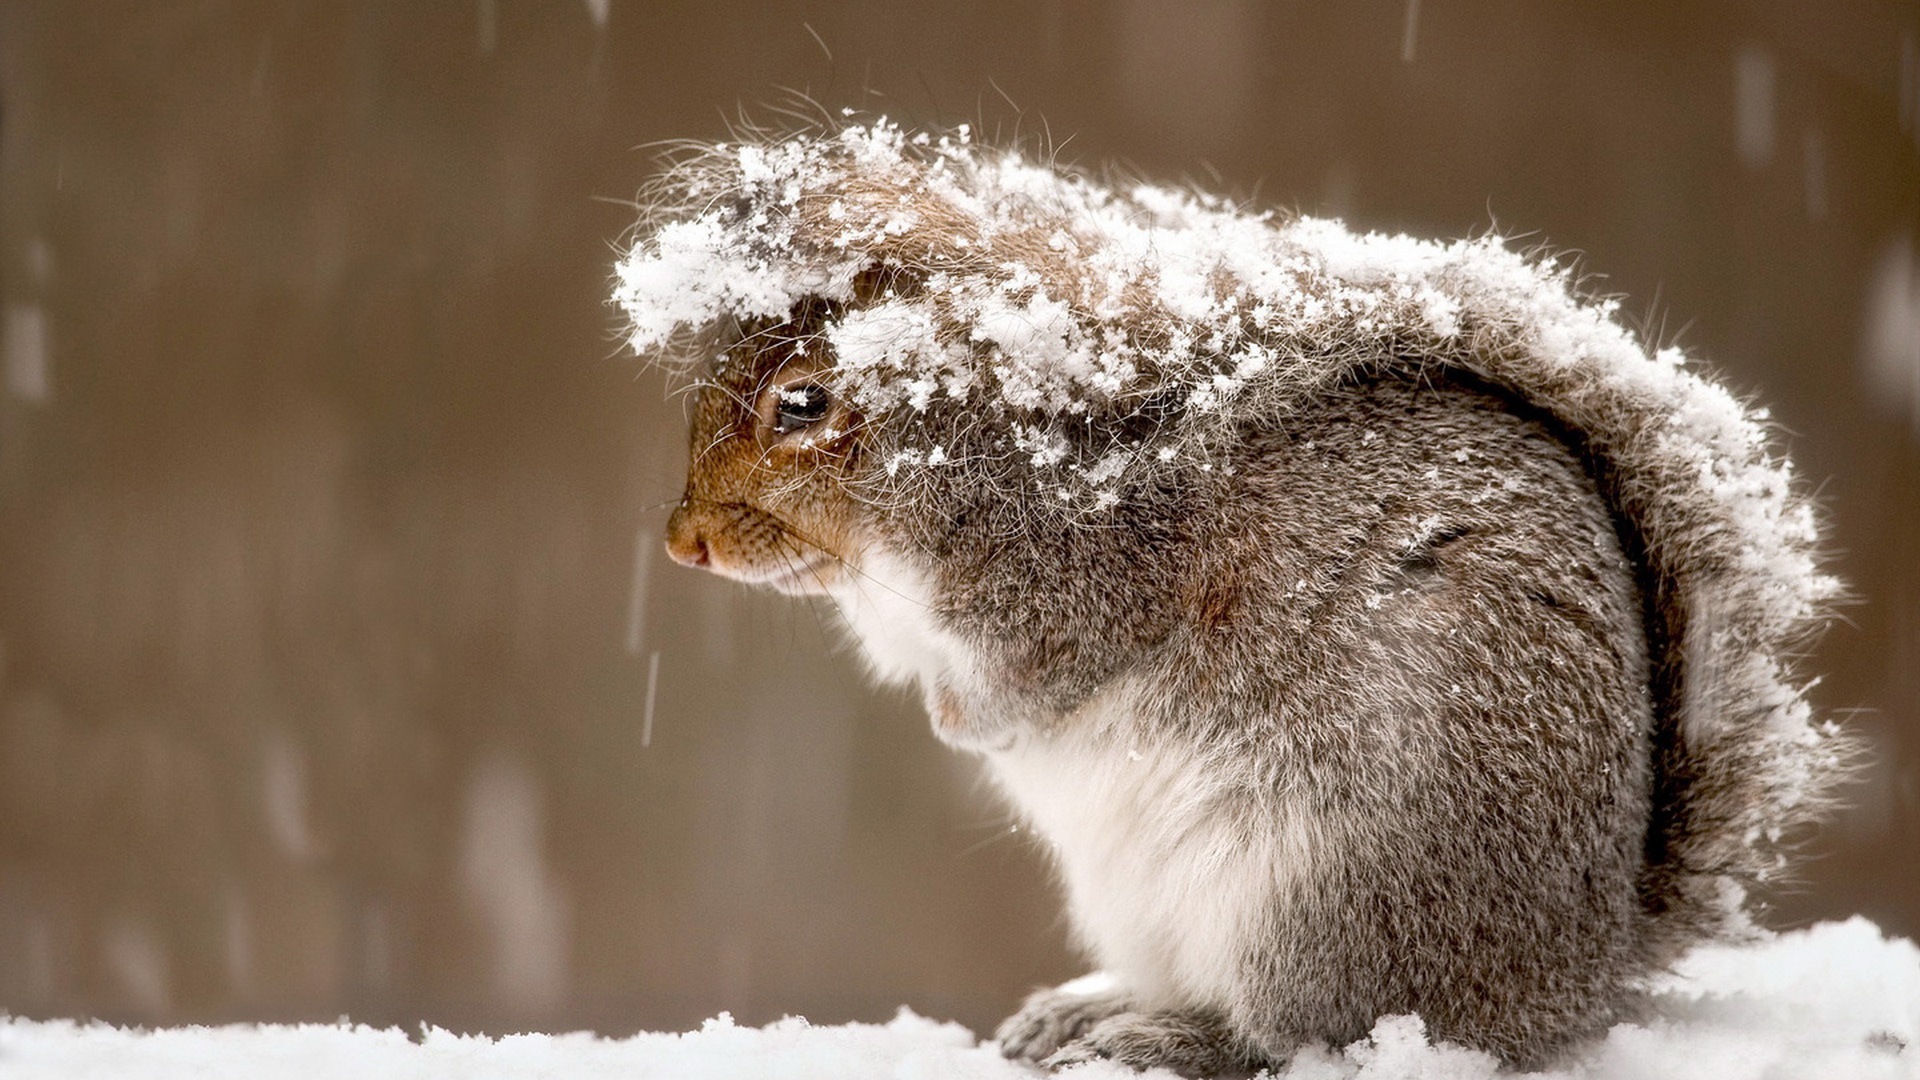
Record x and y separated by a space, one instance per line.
850 568
807 565
1003 833
718 439
740 512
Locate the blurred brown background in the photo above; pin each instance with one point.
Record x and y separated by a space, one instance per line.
330 584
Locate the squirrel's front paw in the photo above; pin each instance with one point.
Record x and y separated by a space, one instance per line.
1191 1044
1051 1018
971 720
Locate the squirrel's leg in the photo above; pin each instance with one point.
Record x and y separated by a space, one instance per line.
970 713
1197 1044
1051 1018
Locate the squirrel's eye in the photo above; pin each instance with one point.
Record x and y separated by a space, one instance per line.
800 407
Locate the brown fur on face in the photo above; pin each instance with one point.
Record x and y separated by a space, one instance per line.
754 509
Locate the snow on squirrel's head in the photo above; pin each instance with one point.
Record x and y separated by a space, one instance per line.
981 306
992 319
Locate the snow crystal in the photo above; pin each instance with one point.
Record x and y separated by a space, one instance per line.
1836 1000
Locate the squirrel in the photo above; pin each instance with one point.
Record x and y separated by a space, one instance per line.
1367 625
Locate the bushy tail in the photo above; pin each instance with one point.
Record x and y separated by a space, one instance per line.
1728 550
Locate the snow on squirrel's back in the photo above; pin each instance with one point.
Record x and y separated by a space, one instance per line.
1834 1002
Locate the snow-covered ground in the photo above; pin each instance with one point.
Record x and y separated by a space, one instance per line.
1835 1002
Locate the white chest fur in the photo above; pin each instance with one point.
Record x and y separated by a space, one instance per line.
1171 868
885 604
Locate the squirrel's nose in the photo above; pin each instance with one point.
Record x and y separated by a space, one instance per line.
688 552
685 543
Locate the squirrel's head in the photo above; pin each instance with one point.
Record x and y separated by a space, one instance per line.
772 445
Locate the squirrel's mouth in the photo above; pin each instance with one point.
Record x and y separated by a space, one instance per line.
811 574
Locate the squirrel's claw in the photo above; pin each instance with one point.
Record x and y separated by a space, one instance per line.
1051 1018
1191 1044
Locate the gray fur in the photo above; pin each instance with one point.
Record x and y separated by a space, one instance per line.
1407 614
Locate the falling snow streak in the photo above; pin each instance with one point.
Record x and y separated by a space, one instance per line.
1892 337
506 881
25 347
644 545
653 681
1753 103
489 26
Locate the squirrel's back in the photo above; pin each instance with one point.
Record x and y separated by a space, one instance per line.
1393 757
